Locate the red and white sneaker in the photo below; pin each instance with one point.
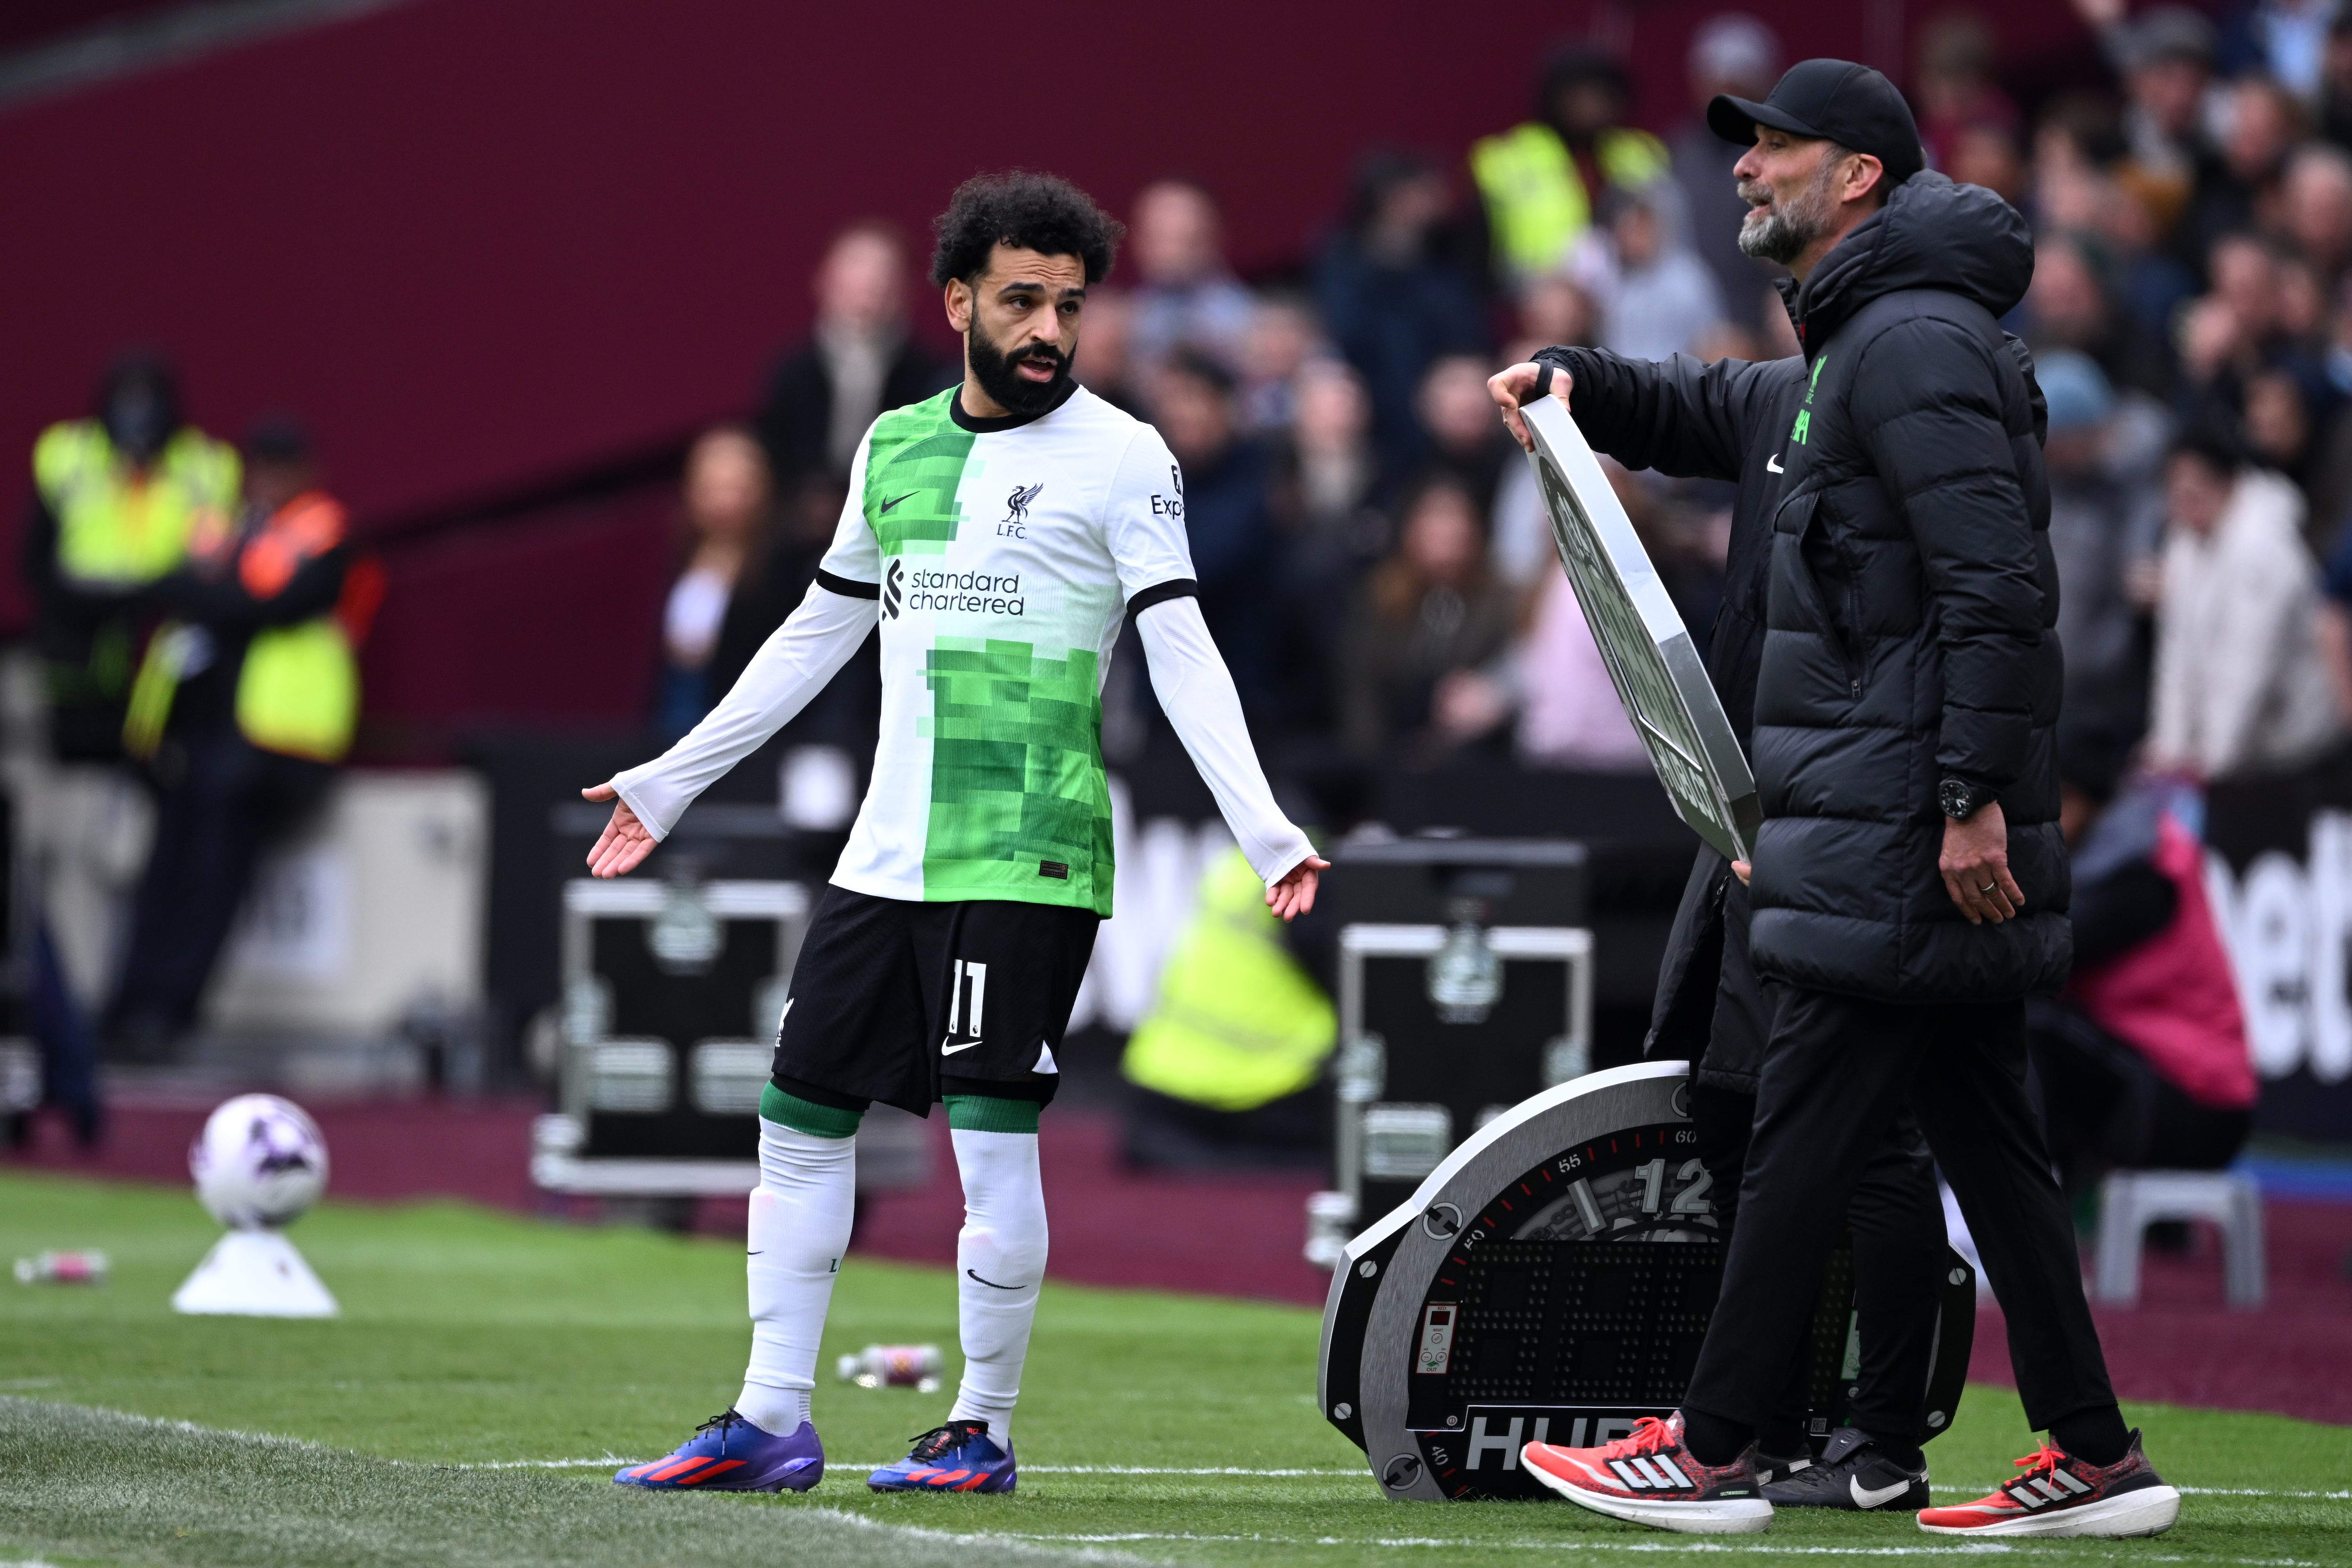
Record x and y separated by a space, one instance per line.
2060 1495
1649 1477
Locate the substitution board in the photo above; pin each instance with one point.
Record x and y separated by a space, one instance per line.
1551 1282
1651 661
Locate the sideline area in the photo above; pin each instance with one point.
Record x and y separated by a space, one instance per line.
487 1364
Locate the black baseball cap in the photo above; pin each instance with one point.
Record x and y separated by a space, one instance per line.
1836 101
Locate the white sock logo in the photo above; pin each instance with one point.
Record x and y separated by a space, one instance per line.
966 995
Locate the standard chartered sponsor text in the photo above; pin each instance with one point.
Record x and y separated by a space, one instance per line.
969 593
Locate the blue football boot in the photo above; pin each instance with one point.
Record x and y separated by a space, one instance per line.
957 1458
728 1454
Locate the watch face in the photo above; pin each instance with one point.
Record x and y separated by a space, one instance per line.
1958 800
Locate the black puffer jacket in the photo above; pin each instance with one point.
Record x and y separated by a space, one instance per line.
1910 622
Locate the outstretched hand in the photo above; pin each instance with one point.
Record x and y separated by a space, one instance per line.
1511 388
626 842
1294 895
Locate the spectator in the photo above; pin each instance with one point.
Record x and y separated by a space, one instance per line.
1955 92
723 542
245 704
1655 297
2068 307
1465 438
1187 298
2284 39
858 362
2142 1063
2336 81
1542 181
1553 309
1228 518
2278 428
1989 155
2319 209
1325 488
2245 190
116 499
1283 333
1106 367
1570 715
1735 54
2240 683
2106 518
2166 60
2227 336
1391 299
1427 625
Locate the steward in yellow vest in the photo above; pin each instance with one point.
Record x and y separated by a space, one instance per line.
247 698
115 501
1542 182
1239 1033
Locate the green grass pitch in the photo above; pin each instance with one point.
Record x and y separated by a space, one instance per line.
1152 1427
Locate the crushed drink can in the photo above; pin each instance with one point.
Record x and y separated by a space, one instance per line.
893 1366
62 1268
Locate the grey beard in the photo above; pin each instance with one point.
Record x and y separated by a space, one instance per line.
1790 226
1781 238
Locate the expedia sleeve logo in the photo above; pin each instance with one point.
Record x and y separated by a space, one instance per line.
1170 506
894 587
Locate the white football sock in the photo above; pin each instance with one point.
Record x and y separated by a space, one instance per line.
799 1229
1000 1263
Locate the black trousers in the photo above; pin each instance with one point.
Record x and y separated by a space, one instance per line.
1837 1075
1899 1248
211 826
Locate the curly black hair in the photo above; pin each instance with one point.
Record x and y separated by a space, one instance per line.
1044 213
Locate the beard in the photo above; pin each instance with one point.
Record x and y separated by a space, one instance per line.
1000 377
1780 232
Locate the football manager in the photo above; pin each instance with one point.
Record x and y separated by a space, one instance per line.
1909 882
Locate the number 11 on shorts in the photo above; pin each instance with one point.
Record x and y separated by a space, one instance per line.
966 993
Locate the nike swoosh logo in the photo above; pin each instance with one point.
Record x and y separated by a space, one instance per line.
949 1050
1874 1496
990 1283
888 504
1772 465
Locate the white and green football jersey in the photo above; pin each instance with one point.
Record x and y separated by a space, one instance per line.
1004 552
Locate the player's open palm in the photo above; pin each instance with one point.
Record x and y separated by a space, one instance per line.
625 841
1294 895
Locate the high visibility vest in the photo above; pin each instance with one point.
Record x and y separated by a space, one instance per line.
1536 204
1237 1023
299 690
119 528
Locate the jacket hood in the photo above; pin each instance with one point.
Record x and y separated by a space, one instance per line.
1931 233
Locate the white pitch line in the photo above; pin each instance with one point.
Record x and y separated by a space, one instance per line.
1584 1543
611 1459
1288 1473
2186 1491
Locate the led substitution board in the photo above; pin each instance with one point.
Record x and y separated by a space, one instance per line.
1552 1282
1656 666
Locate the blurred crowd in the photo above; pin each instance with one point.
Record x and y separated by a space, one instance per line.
1372 558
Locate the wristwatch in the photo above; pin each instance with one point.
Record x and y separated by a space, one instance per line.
1960 798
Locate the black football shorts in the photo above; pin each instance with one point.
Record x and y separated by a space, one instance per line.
907 1002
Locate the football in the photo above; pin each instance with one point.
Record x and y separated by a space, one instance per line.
259 1162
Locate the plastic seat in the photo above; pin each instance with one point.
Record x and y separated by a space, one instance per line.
2131 1201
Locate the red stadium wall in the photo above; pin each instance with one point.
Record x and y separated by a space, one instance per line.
479 243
